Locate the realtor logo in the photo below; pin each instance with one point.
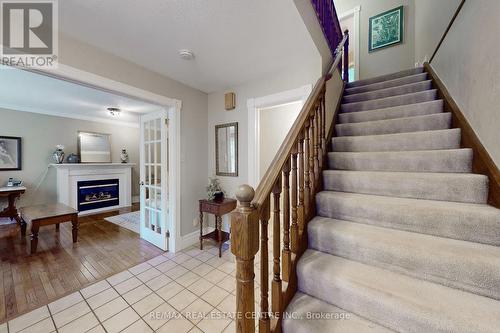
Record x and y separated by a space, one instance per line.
29 33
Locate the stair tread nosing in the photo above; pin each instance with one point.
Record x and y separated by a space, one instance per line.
387 77
401 111
386 102
424 140
470 188
388 92
470 222
303 305
394 300
468 266
386 84
400 125
453 160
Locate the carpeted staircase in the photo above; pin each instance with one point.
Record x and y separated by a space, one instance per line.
403 239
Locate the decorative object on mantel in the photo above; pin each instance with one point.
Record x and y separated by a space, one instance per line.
72 158
386 29
10 153
230 101
58 154
124 156
214 190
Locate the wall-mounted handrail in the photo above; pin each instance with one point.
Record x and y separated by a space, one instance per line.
459 8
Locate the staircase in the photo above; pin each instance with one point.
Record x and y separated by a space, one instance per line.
403 239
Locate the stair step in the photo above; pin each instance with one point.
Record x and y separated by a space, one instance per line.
388 92
387 84
387 102
463 265
402 303
424 140
471 188
469 222
454 160
402 111
388 77
303 305
430 122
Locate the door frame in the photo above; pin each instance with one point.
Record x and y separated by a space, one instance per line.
253 105
354 12
173 106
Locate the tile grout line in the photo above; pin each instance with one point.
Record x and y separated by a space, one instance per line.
92 310
52 318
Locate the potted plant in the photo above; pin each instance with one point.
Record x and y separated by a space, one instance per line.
214 190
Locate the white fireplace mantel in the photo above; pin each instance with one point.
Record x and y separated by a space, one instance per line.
69 174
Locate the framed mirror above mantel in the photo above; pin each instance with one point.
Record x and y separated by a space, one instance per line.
226 150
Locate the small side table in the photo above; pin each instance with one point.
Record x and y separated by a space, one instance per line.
217 208
11 193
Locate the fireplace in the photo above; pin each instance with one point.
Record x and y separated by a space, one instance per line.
94 194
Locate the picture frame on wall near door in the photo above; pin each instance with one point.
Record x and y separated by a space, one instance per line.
10 153
386 29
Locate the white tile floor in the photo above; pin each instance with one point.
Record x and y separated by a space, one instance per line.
191 291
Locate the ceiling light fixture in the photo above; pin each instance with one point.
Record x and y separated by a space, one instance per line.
114 111
186 54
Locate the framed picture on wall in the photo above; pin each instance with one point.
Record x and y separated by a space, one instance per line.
386 29
10 153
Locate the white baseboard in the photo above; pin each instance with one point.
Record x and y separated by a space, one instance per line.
192 238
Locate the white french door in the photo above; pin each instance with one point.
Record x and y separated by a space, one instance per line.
155 179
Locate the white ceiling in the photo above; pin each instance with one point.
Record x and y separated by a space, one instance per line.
26 91
234 41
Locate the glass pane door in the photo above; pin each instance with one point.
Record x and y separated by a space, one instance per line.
154 178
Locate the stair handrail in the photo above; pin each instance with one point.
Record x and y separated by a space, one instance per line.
299 161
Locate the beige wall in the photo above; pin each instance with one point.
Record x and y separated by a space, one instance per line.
275 123
431 19
41 133
469 66
273 84
390 59
193 114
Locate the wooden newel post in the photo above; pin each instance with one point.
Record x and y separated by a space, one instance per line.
245 245
346 57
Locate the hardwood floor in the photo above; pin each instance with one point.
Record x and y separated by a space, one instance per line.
60 267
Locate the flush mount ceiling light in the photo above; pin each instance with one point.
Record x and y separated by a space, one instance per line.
186 54
114 111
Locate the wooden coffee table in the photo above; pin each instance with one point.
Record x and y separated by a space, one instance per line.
50 214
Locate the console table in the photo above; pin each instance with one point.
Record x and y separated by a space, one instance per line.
217 208
11 193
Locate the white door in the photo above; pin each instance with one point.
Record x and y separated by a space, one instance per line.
155 205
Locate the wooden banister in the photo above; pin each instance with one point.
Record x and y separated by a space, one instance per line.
289 187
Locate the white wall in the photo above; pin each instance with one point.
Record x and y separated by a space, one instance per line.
390 59
431 19
275 123
469 66
193 114
41 133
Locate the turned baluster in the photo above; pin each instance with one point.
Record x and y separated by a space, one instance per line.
294 230
264 321
276 284
307 183
323 125
312 177
318 131
300 208
316 148
286 255
244 245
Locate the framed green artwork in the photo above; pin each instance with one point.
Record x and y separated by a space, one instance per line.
386 29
